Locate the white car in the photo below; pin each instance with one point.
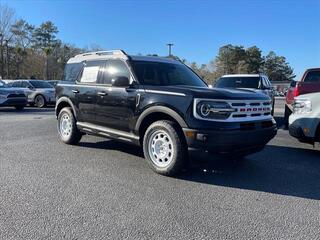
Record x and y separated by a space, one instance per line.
304 122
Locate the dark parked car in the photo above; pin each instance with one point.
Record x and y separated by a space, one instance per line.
257 82
161 105
10 97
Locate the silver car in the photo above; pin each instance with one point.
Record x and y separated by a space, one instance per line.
10 97
40 93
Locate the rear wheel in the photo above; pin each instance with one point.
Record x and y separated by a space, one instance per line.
67 128
40 101
164 148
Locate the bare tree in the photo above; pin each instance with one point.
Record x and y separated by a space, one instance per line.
7 15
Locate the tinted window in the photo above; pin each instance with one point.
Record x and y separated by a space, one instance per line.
90 71
40 84
313 76
114 69
165 74
72 71
25 85
239 82
16 84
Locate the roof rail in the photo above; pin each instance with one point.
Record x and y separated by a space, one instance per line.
101 53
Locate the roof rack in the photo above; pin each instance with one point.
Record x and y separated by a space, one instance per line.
99 55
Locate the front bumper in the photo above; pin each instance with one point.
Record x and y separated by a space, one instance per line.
296 131
230 141
12 102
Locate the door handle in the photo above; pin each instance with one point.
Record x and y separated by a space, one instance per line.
75 91
102 93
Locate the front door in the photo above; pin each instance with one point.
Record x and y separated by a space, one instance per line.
115 105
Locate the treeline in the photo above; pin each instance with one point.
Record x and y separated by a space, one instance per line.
237 59
28 51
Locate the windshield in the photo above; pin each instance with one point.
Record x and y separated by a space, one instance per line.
40 84
2 84
238 82
165 74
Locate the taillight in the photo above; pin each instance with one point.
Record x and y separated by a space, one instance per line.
296 91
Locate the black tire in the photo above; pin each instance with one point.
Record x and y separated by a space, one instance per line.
179 157
287 113
40 101
74 135
19 108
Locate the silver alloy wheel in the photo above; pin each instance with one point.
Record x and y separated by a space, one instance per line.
39 101
160 148
65 125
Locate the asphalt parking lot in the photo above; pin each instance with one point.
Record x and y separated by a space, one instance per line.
103 189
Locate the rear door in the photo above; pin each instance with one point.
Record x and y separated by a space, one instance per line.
115 105
85 91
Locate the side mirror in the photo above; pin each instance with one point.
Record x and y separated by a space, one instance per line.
120 82
31 87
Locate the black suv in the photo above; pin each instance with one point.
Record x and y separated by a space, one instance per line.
161 105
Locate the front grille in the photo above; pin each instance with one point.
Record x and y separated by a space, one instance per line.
16 95
250 110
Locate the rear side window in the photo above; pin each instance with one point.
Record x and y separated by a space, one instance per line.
114 69
312 76
91 71
16 84
71 71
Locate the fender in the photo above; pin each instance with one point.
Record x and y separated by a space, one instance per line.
160 109
67 100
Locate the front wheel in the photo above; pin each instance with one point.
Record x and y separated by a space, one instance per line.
164 148
67 128
40 101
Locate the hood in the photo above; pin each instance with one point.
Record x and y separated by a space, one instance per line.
214 93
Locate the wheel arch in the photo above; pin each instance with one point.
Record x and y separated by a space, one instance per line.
157 113
62 103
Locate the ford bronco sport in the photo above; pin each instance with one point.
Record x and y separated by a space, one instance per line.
161 105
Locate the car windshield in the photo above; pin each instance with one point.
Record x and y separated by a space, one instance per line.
165 74
2 84
40 84
238 82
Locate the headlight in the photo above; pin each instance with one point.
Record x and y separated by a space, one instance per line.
301 106
207 109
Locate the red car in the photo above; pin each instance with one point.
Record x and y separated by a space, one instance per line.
309 83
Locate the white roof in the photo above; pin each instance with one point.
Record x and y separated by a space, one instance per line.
98 55
242 75
117 54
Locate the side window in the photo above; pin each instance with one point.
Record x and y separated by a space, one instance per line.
72 71
25 84
90 72
114 69
16 84
312 76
